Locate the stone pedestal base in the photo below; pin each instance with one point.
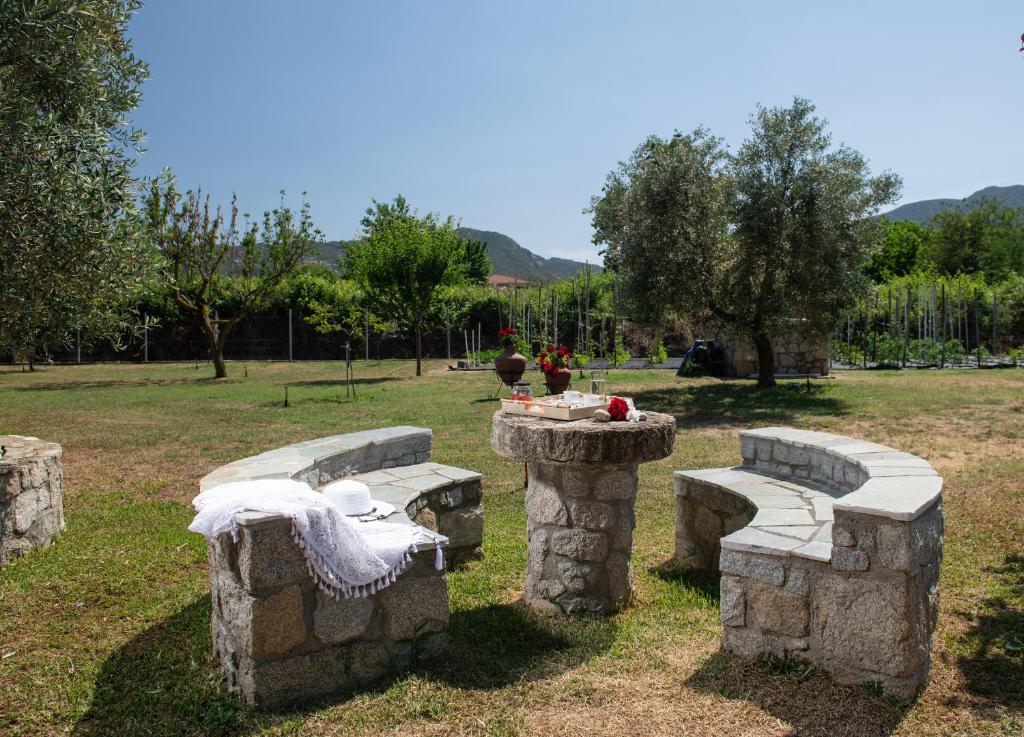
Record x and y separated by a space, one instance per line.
579 504
580 525
31 495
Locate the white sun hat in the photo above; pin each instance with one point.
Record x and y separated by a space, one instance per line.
353 499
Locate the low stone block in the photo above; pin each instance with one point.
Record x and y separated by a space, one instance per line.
576 577
777 611
463 527
618 484
337 621
752 566
732 602
580 545
864 624
849 559
545 505
414 606
590 515
268 556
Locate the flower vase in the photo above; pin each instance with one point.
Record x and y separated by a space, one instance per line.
559 381
510 365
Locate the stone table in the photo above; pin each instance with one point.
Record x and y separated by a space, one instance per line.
579 504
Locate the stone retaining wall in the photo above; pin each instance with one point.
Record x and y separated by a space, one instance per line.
280 640
31 495
795 353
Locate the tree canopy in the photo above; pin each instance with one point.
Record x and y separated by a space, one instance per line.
782 229
402 262
200 248
70 255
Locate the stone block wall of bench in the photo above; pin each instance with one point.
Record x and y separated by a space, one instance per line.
281 641
853 587
31 495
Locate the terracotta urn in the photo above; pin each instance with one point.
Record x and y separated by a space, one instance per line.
558 382
510 365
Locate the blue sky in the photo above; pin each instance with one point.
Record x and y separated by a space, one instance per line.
509 115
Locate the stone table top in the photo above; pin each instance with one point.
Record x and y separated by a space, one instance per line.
583 441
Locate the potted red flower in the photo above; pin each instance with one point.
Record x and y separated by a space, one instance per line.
554 363
510 365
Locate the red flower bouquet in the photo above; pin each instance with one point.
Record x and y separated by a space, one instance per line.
508 336
618 408
552 360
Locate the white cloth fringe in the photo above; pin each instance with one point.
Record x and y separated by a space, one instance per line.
343 557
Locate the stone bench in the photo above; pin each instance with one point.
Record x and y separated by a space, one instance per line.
279 639
829 548
31 495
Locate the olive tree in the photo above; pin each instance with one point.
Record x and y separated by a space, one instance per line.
781 229
70 256
206 256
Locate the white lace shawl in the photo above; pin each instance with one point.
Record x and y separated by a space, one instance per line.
344 557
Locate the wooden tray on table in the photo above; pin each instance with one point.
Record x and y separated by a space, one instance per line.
549 410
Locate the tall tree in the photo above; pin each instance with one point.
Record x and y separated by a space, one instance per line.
201 249
780 230
903 250
988 237
478 265
403 261
70 256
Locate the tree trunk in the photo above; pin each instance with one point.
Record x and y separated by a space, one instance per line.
765 360
216 346
419 349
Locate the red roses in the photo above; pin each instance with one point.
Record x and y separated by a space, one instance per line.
618 408
508 336
552 360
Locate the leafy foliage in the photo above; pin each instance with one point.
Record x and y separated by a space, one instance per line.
403 262
781 229
70 256
199 247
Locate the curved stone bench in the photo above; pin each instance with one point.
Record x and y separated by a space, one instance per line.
31 494
279 639
829 548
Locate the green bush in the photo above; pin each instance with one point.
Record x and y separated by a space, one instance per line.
657 354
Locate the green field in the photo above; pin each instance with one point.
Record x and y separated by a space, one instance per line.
107 631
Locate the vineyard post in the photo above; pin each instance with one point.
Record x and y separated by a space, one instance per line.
942 363
977 330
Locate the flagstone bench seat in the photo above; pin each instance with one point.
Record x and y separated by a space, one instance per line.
280 640
829 548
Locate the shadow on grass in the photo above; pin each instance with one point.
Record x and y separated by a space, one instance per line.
799 694
991 658
342 382
160 683
494 646
704 582
125 383
164 680
733 403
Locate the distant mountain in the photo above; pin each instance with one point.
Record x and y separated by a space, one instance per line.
506 256
327 254
924 210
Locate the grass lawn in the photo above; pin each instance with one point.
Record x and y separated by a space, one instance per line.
107 631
